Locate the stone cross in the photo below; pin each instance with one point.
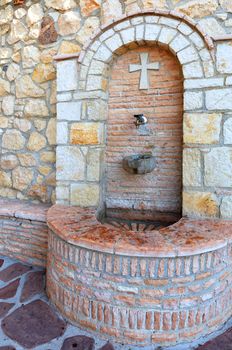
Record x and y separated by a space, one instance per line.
144 67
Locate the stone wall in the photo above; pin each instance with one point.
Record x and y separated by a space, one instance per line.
31 34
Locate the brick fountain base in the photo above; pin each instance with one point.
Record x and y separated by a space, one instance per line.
159 287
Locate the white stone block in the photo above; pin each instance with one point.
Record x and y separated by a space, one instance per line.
122 25
192 167
137 20
185 29
220 99
203 83
169 22
193 100
139 32
229 80
152 19
179 43
103 54
226 208
97 67
128 35
67 96
106 35
67 76
227 132
218 167
69 111
193 70
62 133
197 40
187 55
70 163
62 193
166 35
151 32
223 57
94 83
114 42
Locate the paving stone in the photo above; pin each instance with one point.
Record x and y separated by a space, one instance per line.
7 348
79 342
33 285
10 290
14 271
222 342
33 324
107 346
4 308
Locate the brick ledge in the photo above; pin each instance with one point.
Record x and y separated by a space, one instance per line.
23 210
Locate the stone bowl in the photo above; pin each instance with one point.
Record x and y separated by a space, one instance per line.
139 163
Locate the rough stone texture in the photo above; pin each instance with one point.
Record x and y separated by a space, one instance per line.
10 290
224 52
228 132
192 167
85 195
13 271
218 167
198 204
13 140
36 319
197 8
33 285
86 133
48 33
4 308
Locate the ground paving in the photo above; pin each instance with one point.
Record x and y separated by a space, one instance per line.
28 321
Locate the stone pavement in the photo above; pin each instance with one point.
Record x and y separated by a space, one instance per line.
28 321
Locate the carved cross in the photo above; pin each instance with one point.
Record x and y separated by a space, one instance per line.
144 67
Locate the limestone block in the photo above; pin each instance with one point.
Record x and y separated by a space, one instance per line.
94 83
5 179
226 5
69 23
85 195
3 123
193 70
226 208
63 5
166 35
30 56
94 160
90 25
25 87
151 33
4 87
36 141
224 53
103 54
70 164
13 140
62 133
22 124
97 110
211 26
114 42
218 167
4 28
189 54
69 111
22 178
6 15
89 6
67 78
8 162
5 53
179 43
193 100
203 83
20 13
38 191
44 72
13 71
192 167
111 9
67 47
18 32
27 159
51 131
48 157
200 204
198 8
202 128
219 99
227 131
34 14
62 193
36 108
86 133
35 31
154 4
8 105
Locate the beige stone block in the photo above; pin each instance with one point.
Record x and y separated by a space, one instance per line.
48 157
40 124
13 71
86 133
69 23
8 162
8 105
36 142
6 15
34 14
202 128
22 177
97 110
89 6
18 32
8 193
45 170
94 161
13 140
4 87
63 5
85 195
44 72
30 56
70 163
22 124
218 167
5 179
36 108
25 87
3 122
192 167
226 5
90 25
67 47
51 131
27 159
39 191
198 8
200 205
154 4
111 9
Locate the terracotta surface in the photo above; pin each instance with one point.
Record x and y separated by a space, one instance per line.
187 237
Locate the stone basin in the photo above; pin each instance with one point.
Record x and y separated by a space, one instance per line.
139 163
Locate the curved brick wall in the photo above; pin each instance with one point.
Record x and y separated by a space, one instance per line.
119 284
